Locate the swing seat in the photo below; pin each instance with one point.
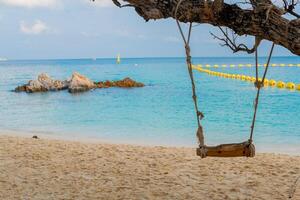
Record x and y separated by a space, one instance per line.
244 149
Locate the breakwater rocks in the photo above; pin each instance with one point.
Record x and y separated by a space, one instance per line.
77 83
125 83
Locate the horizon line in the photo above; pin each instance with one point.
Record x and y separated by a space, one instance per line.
146 57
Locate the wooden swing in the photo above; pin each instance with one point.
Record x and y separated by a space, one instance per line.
244 149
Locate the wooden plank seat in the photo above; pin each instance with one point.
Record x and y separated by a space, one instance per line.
244 149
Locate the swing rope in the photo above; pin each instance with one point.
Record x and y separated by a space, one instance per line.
259 84
199 115
203 149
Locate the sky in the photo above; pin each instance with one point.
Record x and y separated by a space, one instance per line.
58 29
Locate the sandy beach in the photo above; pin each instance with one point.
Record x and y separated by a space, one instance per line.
57 169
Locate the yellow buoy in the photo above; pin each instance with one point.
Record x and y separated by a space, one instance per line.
248 78
207 65
290 85
290 65
249 65
253 79
243 77
272 83
298 87
224 65
233 76
280 84
238 76
232 65
274 65
241 65
266 82
282 65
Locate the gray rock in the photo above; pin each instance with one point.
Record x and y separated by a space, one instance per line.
43 83
51 84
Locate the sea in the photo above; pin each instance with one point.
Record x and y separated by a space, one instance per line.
161 113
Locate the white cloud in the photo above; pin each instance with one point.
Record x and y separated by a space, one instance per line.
31 3
36 28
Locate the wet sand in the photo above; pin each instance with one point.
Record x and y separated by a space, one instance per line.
59 169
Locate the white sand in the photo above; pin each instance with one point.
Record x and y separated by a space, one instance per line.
56 169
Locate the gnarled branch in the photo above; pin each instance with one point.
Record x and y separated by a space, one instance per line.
231 42
264 21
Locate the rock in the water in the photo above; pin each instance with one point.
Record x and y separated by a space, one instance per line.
50 84
80 83
21 88
125 83
44 83
77 83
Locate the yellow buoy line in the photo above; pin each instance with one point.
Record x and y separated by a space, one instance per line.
242 77
247 65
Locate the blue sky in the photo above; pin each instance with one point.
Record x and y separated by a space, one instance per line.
49 29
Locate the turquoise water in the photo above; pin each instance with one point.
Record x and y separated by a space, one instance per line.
160 113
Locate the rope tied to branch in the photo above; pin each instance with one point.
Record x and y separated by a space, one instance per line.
199 114
259 84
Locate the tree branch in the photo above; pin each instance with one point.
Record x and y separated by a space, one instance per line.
231 42
264 20
289 7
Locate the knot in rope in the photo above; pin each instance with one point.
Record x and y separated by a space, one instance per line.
258 84
200 114
188 52
189 59
202 151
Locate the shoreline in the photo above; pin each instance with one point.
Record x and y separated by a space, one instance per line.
44 168
292 150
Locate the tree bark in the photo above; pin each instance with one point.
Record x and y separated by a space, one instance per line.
264 21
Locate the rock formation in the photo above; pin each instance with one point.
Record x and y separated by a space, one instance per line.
43 83
77 83
80 83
